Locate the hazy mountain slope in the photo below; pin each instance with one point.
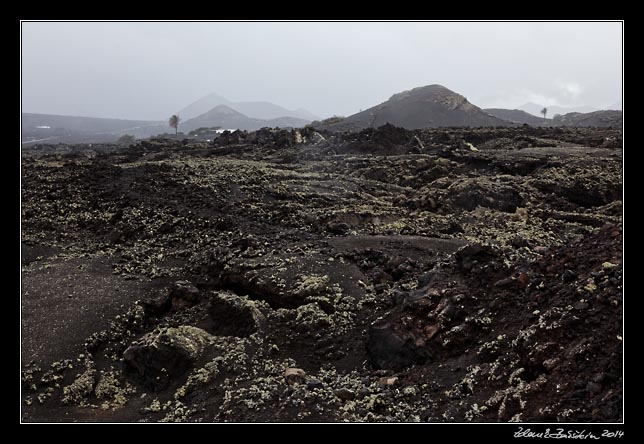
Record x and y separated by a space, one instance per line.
517 116
305 114
268 110
226 117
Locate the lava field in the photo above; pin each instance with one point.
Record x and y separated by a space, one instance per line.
439 275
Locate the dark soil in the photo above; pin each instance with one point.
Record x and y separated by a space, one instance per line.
445 275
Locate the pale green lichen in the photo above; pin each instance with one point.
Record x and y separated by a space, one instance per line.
590 285
155 406
77 392
201 377
178 412
110 390
311 317
308 285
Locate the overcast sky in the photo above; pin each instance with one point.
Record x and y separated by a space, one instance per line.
148 70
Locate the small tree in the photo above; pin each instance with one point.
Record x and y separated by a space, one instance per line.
174 123
544 111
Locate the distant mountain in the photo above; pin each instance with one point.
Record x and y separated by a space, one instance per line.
202 105
604 118
227 118
65 129
268 110
257 110
615 106
220 115
535 109
517 116
424 107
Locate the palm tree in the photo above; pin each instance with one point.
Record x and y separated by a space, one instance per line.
174 123
544 111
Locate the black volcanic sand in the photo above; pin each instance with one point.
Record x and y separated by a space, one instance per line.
436 275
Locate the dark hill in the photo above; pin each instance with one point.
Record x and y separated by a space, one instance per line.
424 107
605 118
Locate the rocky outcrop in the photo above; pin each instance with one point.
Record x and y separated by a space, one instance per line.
163 354
233 315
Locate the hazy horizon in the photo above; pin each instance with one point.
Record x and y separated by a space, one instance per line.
149 70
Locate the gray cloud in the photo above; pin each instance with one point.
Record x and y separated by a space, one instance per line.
148 70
